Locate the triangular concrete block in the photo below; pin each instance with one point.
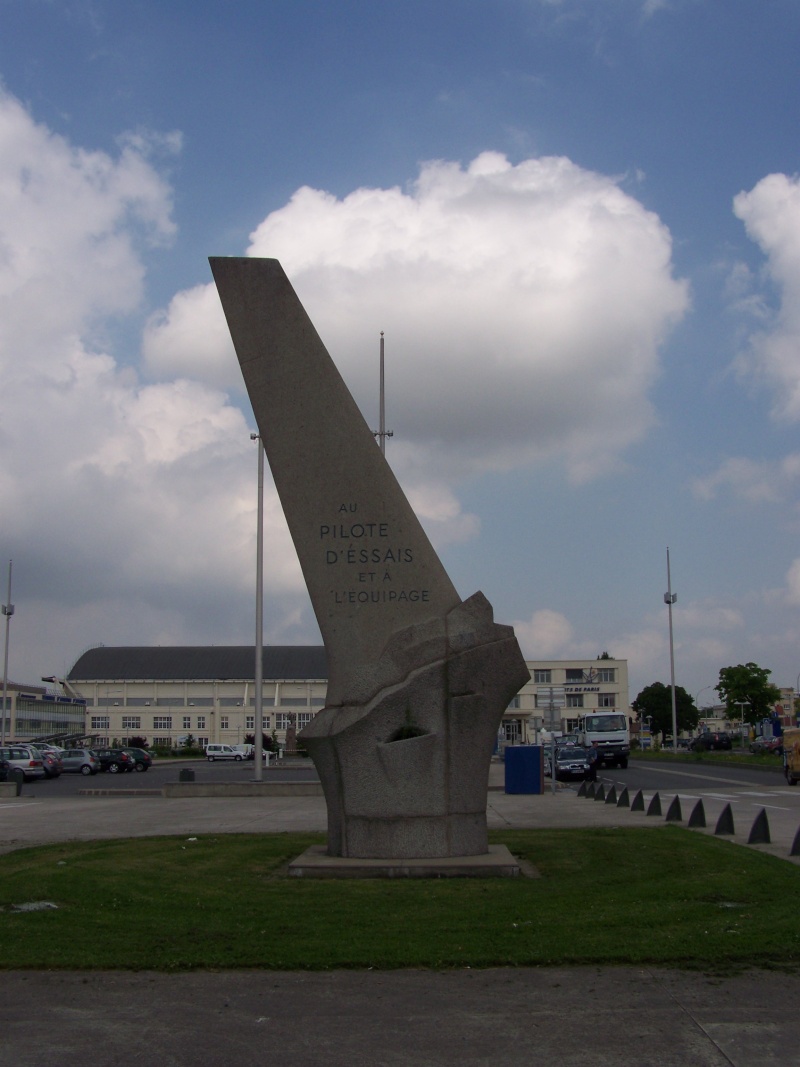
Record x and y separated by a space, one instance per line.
725 821
611 795
601 792
698 816
582 790
624 800
674 811
654 807
638 802
759 832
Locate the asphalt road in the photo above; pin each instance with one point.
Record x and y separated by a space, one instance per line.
666 776
71 785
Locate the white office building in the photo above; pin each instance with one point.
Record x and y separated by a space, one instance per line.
166 694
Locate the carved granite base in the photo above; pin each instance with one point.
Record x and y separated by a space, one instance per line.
404 766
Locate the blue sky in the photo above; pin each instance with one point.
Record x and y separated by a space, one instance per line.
578 223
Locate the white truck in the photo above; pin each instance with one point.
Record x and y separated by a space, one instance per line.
607 732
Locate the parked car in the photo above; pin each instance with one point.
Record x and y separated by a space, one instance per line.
26 759
215 751
53 765
711 740
767 744
51 757
115 760
141 758
80 761
248 751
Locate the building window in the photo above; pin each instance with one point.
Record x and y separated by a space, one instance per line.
514 703
137 702
265 720
162 742
187 722
101 722
101 742
318 702
202 741
131 722
283 722
224 722
542 677
606 700
162 722
202 702
304 718
574 674
201 722
512 729
230 702
606 674
294 702
574 700
249 722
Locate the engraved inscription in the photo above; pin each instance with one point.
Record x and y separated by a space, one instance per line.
351 548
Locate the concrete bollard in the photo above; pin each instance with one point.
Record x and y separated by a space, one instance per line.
654 807
698 816
759 832
674 811
725 822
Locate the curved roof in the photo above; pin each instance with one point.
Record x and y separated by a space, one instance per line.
199 663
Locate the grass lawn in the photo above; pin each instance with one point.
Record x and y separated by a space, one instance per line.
618 896
737 756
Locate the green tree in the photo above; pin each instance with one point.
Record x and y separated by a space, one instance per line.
747 692
655 702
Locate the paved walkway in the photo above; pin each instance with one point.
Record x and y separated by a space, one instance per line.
566 1016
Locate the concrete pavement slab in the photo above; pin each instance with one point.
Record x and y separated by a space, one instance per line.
573 1017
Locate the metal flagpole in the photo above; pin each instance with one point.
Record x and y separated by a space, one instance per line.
8 611
259 688
669 600
382 434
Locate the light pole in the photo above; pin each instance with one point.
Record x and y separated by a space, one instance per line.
259 703
669 600
8 611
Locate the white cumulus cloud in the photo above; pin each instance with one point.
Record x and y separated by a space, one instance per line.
128 506
771 215
523 306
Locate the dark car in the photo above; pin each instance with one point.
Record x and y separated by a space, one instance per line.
573 761
141 758
115 760
711 740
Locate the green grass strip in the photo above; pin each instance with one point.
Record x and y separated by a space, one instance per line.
657 896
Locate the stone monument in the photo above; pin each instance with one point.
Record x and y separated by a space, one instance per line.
418 679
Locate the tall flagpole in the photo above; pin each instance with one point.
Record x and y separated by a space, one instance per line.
259 663
669 600
382 434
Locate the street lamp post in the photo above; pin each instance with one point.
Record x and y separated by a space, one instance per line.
8 611
669 600
259 695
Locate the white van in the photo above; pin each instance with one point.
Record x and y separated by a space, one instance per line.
222 752
247 751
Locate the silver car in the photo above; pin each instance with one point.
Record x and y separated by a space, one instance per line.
26 759
80 761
